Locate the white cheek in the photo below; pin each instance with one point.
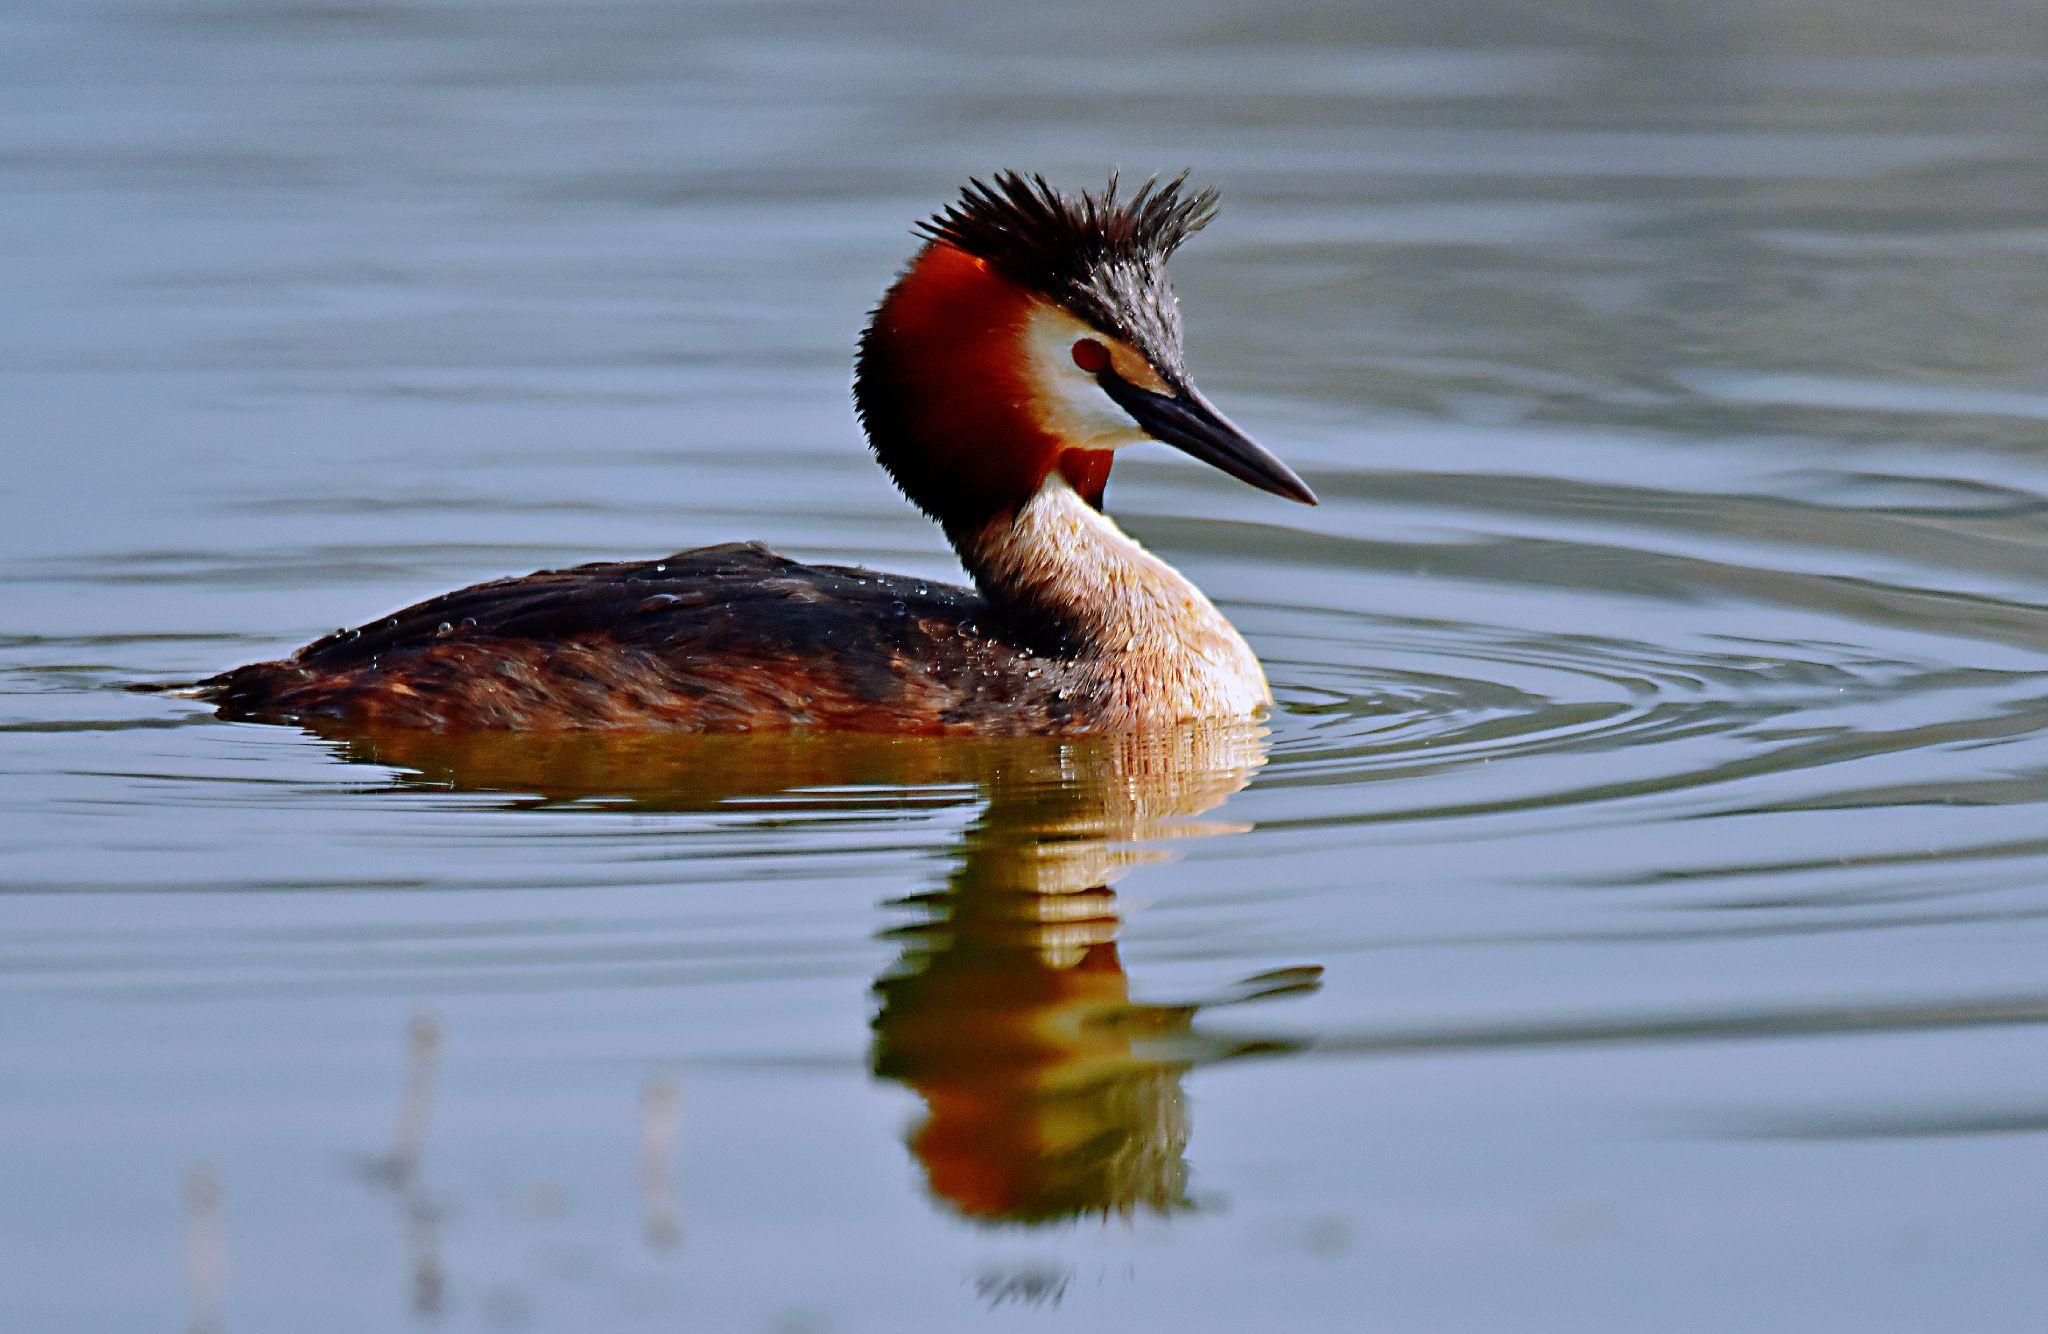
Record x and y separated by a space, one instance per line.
1074 405
1080 410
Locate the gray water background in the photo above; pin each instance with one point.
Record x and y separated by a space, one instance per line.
1658 777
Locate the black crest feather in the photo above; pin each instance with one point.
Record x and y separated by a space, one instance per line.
1036 235
1101 256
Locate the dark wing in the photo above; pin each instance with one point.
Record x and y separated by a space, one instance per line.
652 604
724 638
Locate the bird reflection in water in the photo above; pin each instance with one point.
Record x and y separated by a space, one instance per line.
1049 1092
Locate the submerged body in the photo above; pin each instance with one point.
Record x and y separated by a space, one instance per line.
1031 337
736 638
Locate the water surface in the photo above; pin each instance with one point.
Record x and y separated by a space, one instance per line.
1632 917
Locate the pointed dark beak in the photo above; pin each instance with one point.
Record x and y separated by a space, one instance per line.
1191 423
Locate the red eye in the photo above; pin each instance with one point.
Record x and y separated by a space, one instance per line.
1091 356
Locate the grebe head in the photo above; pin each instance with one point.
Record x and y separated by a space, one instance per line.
1036 333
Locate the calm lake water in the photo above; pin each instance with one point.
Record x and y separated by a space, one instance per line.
1634 917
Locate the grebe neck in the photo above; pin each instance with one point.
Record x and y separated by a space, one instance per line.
1159 647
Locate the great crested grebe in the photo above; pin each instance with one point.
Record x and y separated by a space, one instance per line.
1032 336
